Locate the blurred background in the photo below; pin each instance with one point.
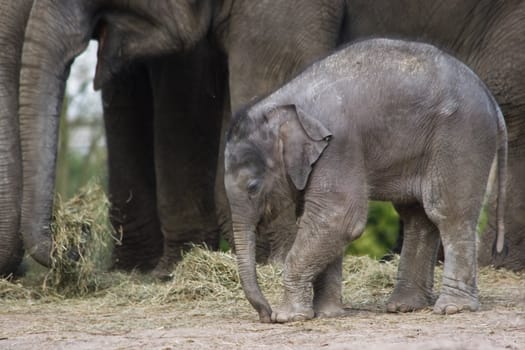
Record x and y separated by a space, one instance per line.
82 155
82 149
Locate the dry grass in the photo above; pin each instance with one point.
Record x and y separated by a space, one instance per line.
82 238
211 277
202 277
80 304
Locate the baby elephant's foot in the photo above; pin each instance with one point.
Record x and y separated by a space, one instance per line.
292 313
456 296
452 304
328 310
408 301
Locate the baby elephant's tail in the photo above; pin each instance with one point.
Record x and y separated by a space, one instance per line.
502 182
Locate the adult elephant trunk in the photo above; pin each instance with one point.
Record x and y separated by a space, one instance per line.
13 18
244 236
57 31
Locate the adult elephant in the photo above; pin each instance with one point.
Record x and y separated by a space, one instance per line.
13 19
261 55
142 47
130 148
489 36
162 118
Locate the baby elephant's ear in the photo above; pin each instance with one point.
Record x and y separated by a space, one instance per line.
305 139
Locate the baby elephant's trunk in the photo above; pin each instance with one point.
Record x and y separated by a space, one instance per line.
245 247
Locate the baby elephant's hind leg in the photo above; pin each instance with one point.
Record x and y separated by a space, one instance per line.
453 203
328 289
459 291
415 277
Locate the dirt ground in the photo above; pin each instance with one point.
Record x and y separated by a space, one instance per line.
171 328
108 321
50 327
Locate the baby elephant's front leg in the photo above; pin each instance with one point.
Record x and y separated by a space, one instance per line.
297 302
315 249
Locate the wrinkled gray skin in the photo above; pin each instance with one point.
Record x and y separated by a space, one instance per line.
382 120
163 120
13 18
144 181
487 34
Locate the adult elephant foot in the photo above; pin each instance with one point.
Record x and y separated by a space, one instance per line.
127 259
136 226
164 269
405 299
173 251
138 248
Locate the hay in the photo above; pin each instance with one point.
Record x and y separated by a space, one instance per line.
206 280
368 282
82 239
81 231
203 274
12 291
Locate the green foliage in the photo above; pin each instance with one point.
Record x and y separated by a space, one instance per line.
483 221
381 231
224 246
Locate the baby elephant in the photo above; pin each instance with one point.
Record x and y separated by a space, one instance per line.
383 120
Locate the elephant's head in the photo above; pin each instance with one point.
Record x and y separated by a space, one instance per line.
268 160
58 31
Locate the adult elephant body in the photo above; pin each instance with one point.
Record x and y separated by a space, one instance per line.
161 106
162 119
13 19
265 43
489 36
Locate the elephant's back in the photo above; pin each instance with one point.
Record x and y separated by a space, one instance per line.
374 64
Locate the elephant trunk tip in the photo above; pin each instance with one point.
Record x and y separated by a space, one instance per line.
258 302
265 315
263 309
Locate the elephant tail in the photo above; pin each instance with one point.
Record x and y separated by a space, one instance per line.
502 182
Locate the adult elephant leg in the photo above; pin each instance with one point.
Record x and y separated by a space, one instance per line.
13 19
188 110
128 112
500 62
258 48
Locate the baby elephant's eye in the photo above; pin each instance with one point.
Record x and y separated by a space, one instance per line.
253 186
